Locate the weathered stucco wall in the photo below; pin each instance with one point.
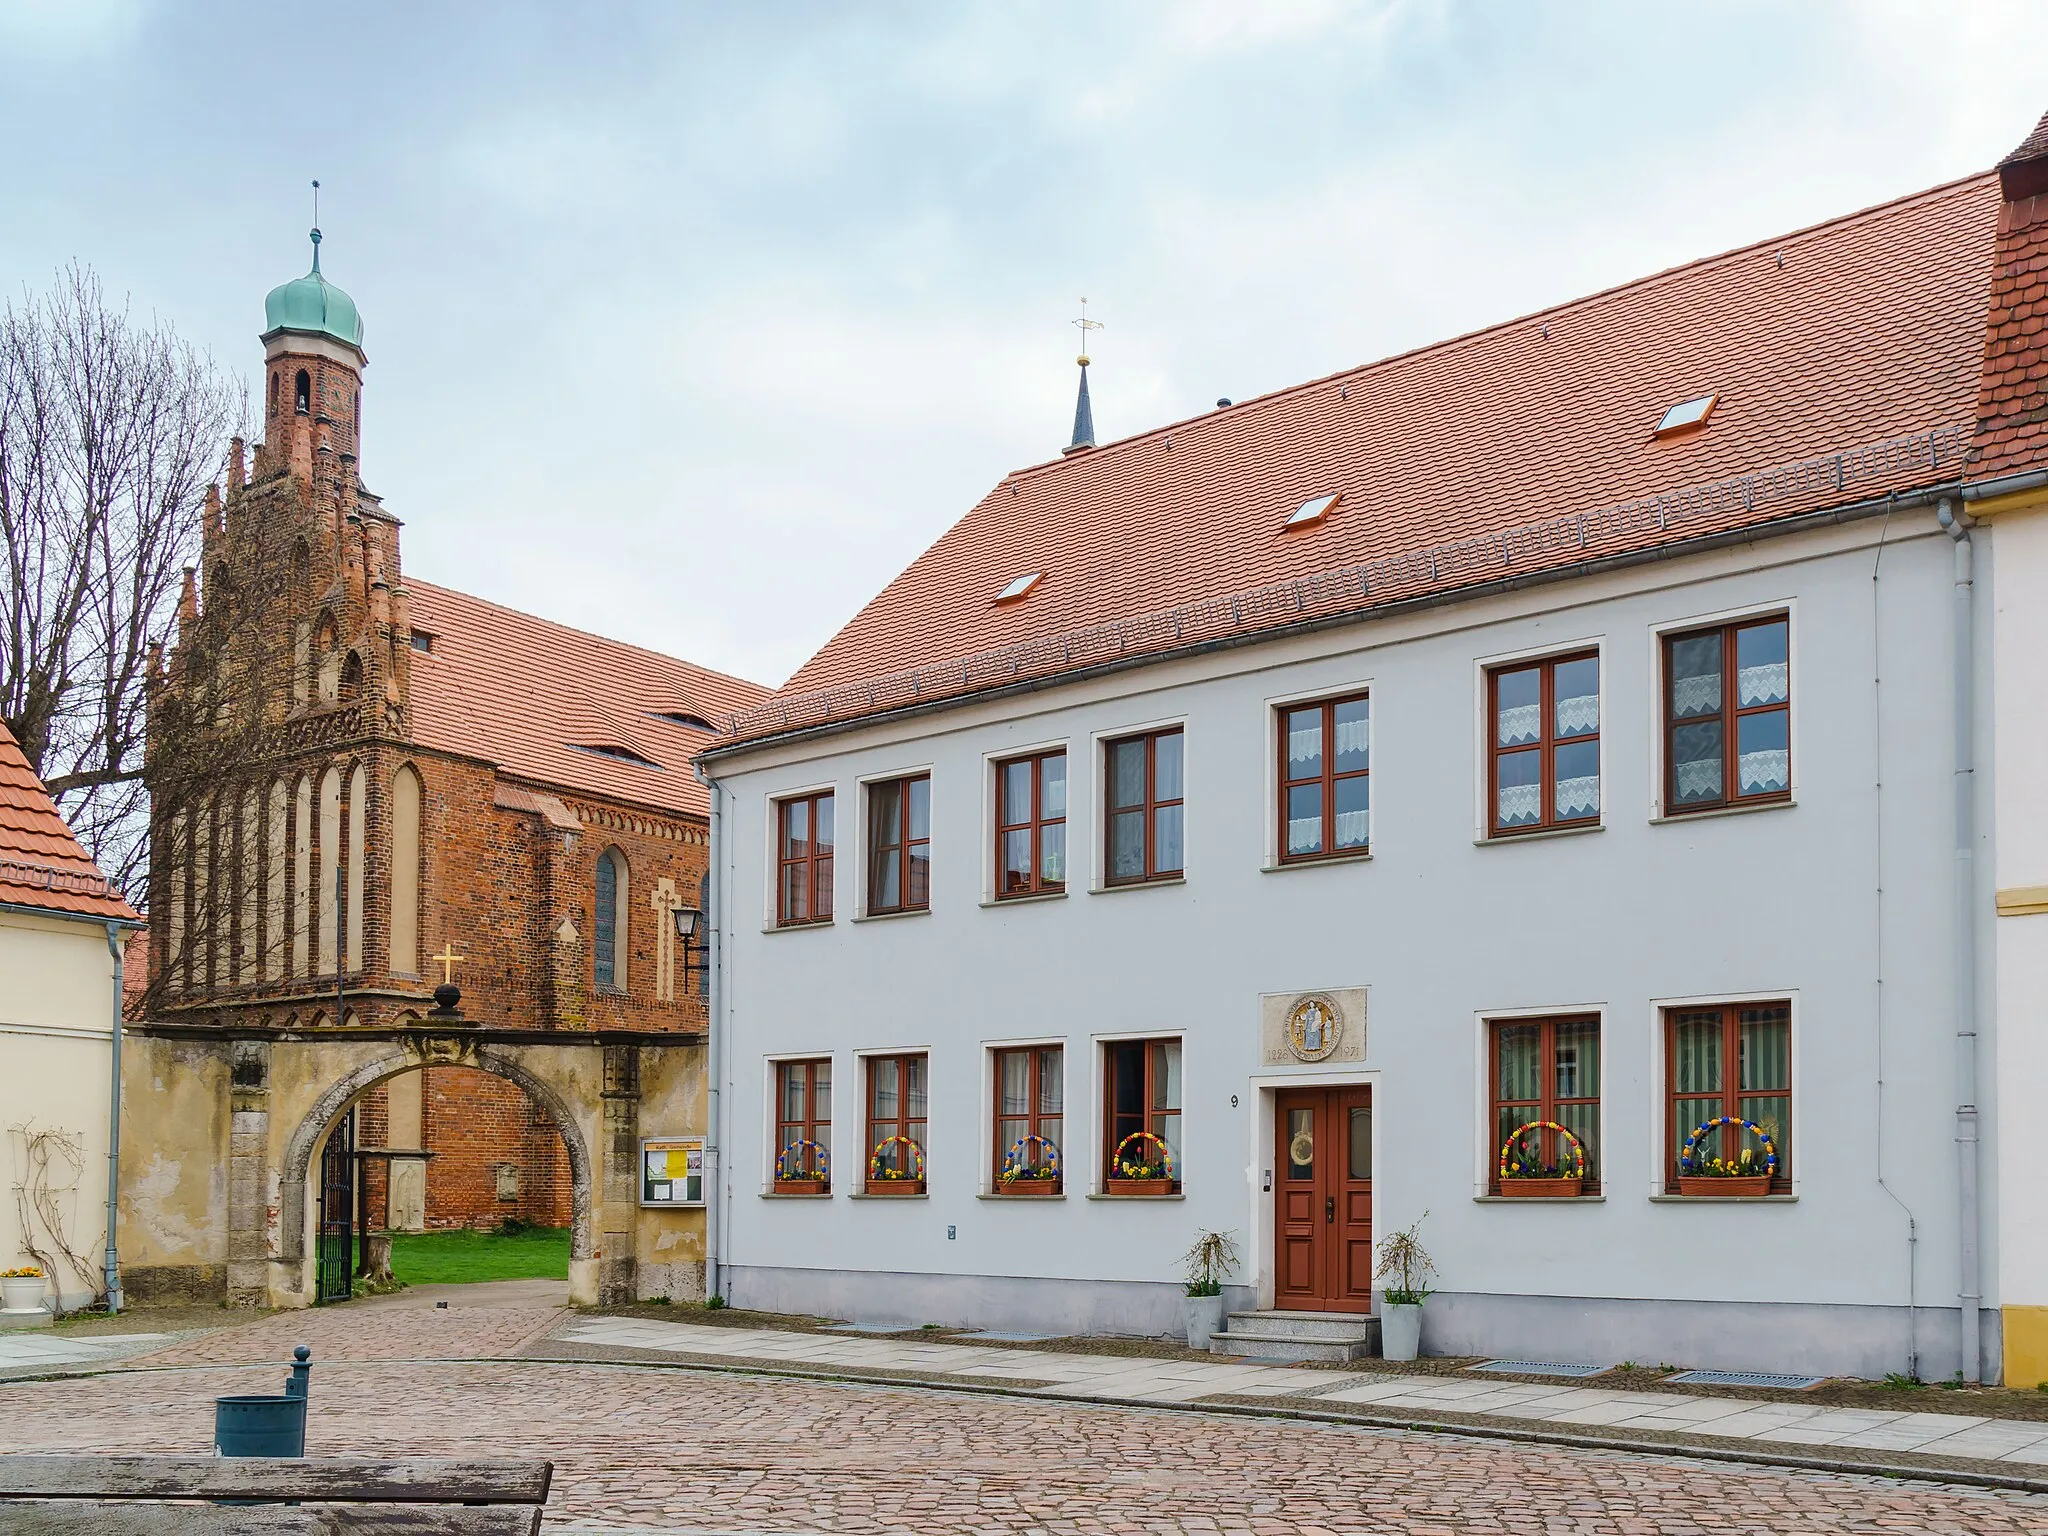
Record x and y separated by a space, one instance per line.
174 1169
671 1242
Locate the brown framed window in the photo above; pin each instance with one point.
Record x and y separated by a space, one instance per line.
1728 715
803 1114
1030 1096
900 845
803 855
1729 1059
1545 1070
1142 821
1141 1092
897 1107
1545 744
1325 783
1031 825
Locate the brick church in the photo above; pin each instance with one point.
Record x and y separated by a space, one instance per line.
413 786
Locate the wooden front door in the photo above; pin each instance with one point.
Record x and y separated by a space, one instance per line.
1322 1199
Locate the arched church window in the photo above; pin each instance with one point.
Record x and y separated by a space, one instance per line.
352 675
609 921
273 394
302 393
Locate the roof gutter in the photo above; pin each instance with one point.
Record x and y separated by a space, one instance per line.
2005 485
1848 512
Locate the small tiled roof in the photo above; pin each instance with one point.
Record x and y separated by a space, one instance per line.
551 704
1526 445
41 863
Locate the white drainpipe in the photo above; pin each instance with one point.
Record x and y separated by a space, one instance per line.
113 1259
1969 1284
714 1161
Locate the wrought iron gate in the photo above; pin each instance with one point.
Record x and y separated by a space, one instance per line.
335 1262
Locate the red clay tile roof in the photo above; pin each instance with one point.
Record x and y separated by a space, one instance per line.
546 703
41 863
1517 447
2012 407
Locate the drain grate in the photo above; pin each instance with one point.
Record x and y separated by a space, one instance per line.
1538 1368
1007 1338
1745 1379
873 1327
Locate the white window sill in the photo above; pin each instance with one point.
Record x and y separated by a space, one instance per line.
1138 885
1025 1199
816 922
861 1194
777 1194
1539 1199
1672 818
1725 1199
1543 835
1024 901
1349 856
883 917
1132 1199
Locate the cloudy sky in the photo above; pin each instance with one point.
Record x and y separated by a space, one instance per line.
693 323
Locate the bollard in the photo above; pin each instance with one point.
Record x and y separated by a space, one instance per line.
257 1424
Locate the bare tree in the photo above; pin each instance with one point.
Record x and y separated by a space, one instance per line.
110 433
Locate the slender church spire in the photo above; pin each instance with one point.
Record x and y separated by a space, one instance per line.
1084 413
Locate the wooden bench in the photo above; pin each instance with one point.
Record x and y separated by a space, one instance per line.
137 1496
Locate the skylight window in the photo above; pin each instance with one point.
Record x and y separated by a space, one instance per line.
1019 588
1314 510
1687 413
686 719
613 750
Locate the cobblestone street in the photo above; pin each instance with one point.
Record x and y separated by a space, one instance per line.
640 1449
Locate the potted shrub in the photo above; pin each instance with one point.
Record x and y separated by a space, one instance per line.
21 1290
1209 1261
1142 1164
1021 1176
1744 1175
889 1175
1525 1176
795 1176
1405 1262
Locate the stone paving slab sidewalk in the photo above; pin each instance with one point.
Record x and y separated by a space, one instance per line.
2018 1447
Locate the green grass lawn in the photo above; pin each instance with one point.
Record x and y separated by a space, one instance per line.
457 1258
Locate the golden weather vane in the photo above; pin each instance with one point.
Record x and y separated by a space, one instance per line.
1086 325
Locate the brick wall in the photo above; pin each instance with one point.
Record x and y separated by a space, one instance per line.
479 1126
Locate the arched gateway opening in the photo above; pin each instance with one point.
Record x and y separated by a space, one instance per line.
535 1165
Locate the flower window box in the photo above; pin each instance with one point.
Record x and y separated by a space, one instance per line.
1742 1177
1524 1176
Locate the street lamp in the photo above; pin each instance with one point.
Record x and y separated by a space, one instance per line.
688 919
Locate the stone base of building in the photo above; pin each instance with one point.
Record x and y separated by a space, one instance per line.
1810 1338
681 1281
175 1285
1134 1309
1818 1339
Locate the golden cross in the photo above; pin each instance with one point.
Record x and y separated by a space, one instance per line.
448 959
1086 326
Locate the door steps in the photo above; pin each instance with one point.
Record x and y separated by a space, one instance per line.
1336 1336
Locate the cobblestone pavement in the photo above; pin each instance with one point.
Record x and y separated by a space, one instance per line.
365 1330
653 1450
1790 1424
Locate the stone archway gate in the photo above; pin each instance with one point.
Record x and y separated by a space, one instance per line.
220 1133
